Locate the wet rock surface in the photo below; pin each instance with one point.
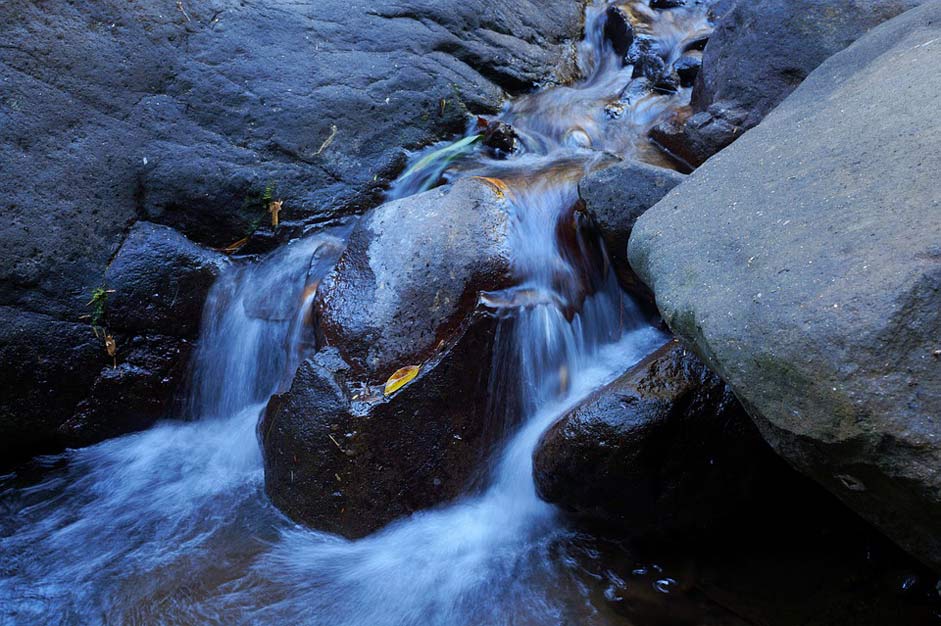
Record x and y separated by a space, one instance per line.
803 264
664 447
194 115
339 454
411 272
615 197
759 52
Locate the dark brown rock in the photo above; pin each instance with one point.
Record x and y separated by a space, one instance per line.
341 457
664 446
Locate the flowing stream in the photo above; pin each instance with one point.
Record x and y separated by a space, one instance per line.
171 525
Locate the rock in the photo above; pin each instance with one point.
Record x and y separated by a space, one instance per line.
344 459
501 138
615 197
405 292
666 4
132 395
803 263
687 67
645 56
663 447
194 115
760 51
159 281
46 367
411 272
618 30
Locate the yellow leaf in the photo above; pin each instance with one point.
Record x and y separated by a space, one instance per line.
400 378
496 184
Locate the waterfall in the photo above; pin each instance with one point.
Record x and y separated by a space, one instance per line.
171 525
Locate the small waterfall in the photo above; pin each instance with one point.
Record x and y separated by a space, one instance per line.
171 525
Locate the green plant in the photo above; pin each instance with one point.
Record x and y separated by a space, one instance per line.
98 302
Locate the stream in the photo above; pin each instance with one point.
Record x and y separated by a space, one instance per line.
172 525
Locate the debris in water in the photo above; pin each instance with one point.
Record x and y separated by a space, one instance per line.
274 207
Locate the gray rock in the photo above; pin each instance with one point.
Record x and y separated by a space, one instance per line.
804 264
666 446
760 51
187 114
615 198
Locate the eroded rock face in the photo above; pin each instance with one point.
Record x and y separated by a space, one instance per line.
64 389
191 114
759 52
666 446
803 262
339 454
615 197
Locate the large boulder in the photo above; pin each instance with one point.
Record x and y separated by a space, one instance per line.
666 446
759 52
343 452
804 265
196 115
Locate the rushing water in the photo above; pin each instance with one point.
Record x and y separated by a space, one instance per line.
171 525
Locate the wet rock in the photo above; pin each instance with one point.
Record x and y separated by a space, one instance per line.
666 4
615 197
686 68
645 56
664 447
501 138
131 395
618 30
691 139
171 113
158 282
781 263
759 52
46 367
339 455
411 272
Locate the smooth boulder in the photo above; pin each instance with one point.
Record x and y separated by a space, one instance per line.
804 265
665 446
344 452
759 52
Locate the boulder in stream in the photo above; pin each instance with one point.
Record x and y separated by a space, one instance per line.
342 451
664 447
804 264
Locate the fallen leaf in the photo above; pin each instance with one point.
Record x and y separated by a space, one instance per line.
400 378
274 207
498 185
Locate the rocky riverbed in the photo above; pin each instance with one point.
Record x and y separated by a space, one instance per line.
471 313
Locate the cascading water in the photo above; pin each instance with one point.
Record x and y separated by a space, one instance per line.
171 525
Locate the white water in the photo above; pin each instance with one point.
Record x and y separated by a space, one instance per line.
172 526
